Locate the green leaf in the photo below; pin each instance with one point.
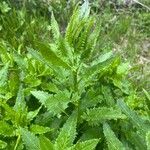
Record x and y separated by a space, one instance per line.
137 140
2 144
56 103
123 68
136 120
4 8
86 145
3 75
91 133
67 134
36 129
14 82
45 143
112 141
148 140
91 99
102 58
20 104
147 99
72 25
30 140
10 113
98 67
51 87
98 115
37 56
6 129
49 54
55 27
108 95
21 62
32 114
4 54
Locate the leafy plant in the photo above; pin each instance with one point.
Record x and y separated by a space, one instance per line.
65 93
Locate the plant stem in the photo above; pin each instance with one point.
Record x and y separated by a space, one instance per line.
17 142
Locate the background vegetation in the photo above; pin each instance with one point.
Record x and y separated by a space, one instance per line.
74 75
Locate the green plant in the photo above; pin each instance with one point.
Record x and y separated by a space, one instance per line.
65 94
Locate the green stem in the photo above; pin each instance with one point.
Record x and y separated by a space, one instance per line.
17 142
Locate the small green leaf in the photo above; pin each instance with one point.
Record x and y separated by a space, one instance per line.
2 144
37 56
136 120
6 129
56 103
86 145
21 62
112 141
67 133
32 114
10 112
49 54
96 68
20 104
3 75
55 27
36 129
30 140
4 8
98 115
45 143
102 58
147 99
137 140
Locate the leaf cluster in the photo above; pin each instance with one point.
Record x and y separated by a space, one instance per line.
65 94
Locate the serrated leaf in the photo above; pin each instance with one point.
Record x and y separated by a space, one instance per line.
13 82
91 99
56 103
10 113
30 141
20 61
3 50
91 133
45 143
108 96
3 75
102 58
20 104
55 27
3 144
96 68
98 115
6 129
136 120
137 140
37 56
51 87
86 145
48 54
67 134
37 129
112 141
32 114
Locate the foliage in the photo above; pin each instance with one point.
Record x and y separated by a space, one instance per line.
64 90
